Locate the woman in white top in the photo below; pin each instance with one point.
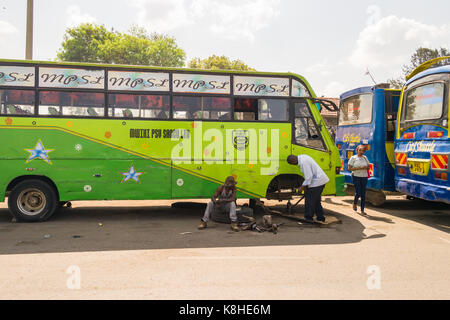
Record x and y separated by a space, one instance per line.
359 164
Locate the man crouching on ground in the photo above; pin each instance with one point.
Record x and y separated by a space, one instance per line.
224 199
315 180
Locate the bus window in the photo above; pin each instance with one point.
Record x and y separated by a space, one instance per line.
138 106
306 132
17 102
245 109
216 108
391 106
356 110
425 102
273 110
75 104
188 107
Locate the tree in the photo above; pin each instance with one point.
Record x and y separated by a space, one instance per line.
219 63
420 56
81 44
92 43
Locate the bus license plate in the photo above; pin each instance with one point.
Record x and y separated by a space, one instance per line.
417 167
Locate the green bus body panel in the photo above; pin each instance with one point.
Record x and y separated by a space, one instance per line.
89 158
94 158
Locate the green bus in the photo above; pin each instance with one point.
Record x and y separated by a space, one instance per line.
74 131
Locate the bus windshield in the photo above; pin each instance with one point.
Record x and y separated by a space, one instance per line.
425 102
356 110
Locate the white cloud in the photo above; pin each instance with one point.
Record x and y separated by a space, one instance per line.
390 41
76 17
231 19
7 28
333 89
323 68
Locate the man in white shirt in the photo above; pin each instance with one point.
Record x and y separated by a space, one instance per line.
315 180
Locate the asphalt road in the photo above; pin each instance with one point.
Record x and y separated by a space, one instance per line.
149 250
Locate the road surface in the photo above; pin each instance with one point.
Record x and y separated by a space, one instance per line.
149 250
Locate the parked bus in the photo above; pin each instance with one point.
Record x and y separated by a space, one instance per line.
90 132
367 117
422 144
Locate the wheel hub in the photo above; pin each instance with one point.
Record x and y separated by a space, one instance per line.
31 201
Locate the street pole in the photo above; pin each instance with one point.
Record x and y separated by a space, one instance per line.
29 44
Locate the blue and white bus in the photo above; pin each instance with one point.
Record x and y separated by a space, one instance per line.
367 116
422 145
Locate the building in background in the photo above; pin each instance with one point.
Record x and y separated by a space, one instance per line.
330 117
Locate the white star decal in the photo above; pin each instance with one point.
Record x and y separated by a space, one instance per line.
39 152
131 174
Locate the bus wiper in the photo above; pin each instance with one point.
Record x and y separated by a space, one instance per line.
327 104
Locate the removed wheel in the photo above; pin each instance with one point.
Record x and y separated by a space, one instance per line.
32 201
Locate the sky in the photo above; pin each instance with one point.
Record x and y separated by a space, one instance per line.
331 43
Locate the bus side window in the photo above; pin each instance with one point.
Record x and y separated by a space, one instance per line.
273 109
74 104
17 102
245 109
124 105
306 132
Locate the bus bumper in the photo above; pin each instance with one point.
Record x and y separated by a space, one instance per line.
423 190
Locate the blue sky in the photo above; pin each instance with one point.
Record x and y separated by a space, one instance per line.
331 43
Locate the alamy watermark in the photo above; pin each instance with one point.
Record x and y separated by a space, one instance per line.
74 279
374 280
241 146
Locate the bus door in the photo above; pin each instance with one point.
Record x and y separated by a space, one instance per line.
391 101
307 133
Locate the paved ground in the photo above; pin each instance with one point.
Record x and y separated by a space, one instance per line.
148 250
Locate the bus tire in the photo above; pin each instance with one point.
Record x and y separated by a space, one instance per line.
375 197
33 200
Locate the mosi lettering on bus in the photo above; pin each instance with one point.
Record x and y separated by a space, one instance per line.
71 78
261 86
201 83
142 81
16 76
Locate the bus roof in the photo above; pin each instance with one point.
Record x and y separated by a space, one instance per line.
443 69
156 68
362 90
355 91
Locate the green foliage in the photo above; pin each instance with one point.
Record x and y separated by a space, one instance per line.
92 43
219 63
420 56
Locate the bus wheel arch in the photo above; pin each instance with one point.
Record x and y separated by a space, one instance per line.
32 198
279 184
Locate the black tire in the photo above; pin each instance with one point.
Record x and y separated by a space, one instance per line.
219 216
33 200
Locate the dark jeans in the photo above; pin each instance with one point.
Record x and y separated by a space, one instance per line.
312 203
360 190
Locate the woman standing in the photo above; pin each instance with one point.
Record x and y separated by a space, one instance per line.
359 164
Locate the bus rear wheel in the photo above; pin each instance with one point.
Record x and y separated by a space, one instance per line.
32 201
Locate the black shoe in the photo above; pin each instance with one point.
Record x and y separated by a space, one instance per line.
321 219
310 220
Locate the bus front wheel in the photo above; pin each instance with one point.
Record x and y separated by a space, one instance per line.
32 201
376 197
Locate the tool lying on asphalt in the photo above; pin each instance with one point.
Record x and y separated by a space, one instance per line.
267 225
329 220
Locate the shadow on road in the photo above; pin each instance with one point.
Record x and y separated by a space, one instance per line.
157 227
431 214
